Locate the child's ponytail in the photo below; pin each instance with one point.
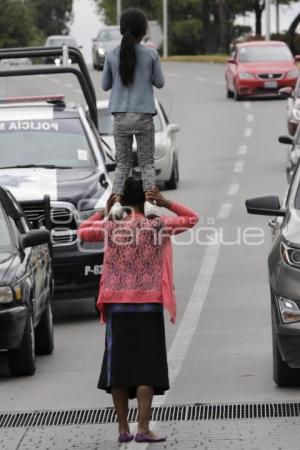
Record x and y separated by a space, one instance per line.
133 28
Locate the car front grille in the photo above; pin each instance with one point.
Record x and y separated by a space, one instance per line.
63 221
270 76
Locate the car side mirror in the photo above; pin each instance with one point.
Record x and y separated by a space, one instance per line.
173 128
231 61
286 140
35 237
265 206
286 92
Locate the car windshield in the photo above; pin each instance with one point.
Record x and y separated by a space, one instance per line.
106 122
112 34
54 142
267 53
61 41
5 236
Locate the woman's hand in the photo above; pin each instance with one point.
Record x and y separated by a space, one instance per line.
155 196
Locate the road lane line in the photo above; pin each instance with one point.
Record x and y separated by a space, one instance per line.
242 150
199 79
250 118
233 189
189 322
247 105
248 132
221 82
239 166
224 211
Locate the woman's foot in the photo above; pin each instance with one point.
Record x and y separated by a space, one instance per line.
116 210
125 437
149 437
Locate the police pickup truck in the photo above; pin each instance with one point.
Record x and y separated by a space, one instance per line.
49 147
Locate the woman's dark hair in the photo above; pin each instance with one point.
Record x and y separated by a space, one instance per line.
133 26
133 193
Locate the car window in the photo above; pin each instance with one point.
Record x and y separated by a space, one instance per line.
58 142
112 34
6 242
267 53
106 122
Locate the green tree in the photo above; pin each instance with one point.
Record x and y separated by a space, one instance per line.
17 26
51 16
108 8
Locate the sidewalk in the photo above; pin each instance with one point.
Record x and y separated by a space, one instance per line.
255 434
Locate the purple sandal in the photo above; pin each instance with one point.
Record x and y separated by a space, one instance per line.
125 437
141 437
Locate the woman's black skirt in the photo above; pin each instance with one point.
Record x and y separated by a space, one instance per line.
135 348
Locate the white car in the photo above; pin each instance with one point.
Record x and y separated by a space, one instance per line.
166 148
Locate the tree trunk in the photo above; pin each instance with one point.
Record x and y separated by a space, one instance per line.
291 33
258 10
223 26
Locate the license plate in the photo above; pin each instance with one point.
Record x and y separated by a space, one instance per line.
271 84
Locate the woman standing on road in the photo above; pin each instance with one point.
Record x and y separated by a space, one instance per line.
130 71
136 284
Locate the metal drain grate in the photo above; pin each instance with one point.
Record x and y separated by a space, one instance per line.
197 411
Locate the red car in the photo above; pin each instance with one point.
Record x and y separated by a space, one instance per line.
260 68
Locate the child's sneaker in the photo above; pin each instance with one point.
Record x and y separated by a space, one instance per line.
116 211
151 210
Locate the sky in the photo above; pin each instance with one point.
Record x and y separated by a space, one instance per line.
86 23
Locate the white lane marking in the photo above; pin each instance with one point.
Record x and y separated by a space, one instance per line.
248 132
239 166
221 82
233 189
247 105
55 80
173 75
242 150
188 324
199 79
69 86
224 211
250 118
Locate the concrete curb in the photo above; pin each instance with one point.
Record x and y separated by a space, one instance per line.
211 59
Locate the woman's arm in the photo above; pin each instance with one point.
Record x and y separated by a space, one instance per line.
107 78
185 217
92 229
158 79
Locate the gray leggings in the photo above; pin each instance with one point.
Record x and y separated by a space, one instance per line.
127 125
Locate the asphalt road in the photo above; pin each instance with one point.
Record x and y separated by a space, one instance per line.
220 348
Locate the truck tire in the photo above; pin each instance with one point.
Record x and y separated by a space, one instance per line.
172 182
44 336
283 375
22 359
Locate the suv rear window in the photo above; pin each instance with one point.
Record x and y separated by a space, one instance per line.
59 142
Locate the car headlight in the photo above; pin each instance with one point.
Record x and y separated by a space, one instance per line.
292 74
6 295
290 255
289 310
245 76
160 152
296 113
101 51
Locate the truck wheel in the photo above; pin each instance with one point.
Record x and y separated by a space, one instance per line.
22 359
283 375
44 333
172 183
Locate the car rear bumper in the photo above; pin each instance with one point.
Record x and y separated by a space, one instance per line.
258 87
12 325
77 270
